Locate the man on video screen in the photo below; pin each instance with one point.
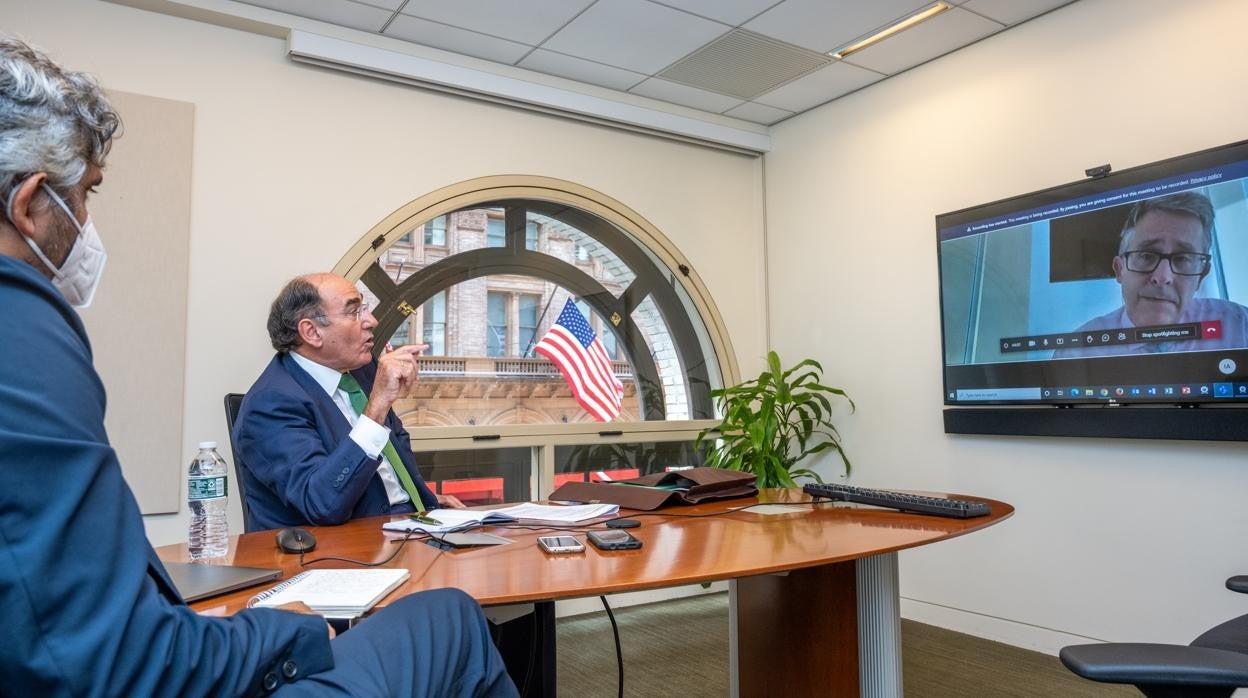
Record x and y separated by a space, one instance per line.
1163 257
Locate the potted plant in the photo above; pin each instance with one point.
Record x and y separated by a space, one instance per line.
774 421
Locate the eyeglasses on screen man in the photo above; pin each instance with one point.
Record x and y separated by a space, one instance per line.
1182 263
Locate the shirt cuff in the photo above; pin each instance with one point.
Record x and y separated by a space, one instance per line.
370 436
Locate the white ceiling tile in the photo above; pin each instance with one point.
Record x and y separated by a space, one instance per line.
456 40
732 12
923 42
758 113
634 34
1012 11
552 63
820 86
527 22
342 12
822 25
387 4
693 97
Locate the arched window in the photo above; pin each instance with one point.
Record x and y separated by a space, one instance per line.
480 271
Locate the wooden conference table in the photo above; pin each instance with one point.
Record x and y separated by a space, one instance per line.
815 600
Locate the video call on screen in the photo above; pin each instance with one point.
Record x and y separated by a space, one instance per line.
1044 299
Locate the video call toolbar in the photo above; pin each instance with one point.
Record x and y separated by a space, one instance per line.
1123 335
1167 392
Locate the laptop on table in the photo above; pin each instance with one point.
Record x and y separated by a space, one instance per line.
196 581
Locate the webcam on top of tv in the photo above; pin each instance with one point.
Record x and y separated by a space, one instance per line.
1098 171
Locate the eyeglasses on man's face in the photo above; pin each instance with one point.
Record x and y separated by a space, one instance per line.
1181 263
353 314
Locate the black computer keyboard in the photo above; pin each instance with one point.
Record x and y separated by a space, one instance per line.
956 508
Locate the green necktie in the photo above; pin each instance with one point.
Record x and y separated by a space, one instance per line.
352 387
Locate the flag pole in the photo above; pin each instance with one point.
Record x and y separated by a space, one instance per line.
528 351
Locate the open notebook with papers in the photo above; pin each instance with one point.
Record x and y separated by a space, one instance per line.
334 593
464 519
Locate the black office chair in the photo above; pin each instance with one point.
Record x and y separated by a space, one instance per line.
234 402
1212 666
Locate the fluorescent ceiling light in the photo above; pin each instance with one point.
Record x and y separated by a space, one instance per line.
897 27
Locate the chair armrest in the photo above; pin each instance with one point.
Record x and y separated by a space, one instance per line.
1153 664
1238 583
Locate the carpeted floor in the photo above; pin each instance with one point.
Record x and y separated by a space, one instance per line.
680 648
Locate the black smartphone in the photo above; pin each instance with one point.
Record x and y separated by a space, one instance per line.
614 539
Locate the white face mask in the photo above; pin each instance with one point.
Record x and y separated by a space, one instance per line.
80 275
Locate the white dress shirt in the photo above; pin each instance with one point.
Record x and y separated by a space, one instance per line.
369 435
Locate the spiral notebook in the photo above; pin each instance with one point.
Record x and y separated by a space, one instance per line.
334 593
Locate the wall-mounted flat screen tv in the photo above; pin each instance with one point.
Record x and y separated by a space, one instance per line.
1127 288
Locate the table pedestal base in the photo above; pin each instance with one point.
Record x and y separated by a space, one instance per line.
832 630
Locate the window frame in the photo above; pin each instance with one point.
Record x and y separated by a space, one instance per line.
710 336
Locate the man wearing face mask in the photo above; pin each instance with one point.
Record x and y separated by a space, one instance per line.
95 613
78 274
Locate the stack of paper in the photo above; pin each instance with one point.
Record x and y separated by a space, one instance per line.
461 519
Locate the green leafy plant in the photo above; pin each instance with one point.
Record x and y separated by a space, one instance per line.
773 422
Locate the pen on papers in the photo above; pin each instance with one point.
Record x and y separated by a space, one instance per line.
421 518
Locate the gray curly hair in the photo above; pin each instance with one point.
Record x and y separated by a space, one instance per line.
1192 203
51 120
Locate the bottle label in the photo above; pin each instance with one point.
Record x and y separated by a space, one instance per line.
210 487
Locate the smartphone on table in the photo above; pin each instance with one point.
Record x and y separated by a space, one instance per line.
560 545
614 539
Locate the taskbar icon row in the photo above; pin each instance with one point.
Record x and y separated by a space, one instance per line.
1211 329
1178 391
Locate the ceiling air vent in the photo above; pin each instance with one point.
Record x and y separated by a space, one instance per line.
744 64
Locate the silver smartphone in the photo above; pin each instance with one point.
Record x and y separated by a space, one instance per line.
558 545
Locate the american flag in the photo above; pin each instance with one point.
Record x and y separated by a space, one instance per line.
583 361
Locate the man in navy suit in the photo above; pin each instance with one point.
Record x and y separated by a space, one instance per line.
315 456
314 453
88 607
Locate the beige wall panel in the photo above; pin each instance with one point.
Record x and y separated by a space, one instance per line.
137 323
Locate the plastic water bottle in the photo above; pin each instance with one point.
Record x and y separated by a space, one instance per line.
207 497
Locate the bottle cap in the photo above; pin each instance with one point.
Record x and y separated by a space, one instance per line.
207 444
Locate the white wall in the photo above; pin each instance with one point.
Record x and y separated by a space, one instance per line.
293 164
1112 539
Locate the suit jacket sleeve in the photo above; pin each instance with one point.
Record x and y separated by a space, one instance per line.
84 610
284 441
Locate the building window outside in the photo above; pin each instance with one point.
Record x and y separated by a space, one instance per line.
530 235
495 232
496 324
527 320
400 336
435 232
433 332
609 342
